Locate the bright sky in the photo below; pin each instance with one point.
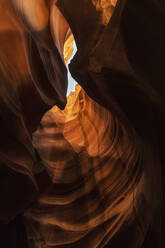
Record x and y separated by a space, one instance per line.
71 81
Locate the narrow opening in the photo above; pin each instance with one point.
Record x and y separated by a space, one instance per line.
69 52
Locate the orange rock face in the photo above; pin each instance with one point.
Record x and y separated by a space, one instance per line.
106 7
91 162
91 172
68 48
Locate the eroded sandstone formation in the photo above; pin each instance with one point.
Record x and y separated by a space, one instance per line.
92 174
95 184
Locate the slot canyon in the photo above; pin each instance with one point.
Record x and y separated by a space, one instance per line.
82 168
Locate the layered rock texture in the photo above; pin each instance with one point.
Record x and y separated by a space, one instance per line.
85 170
95 185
